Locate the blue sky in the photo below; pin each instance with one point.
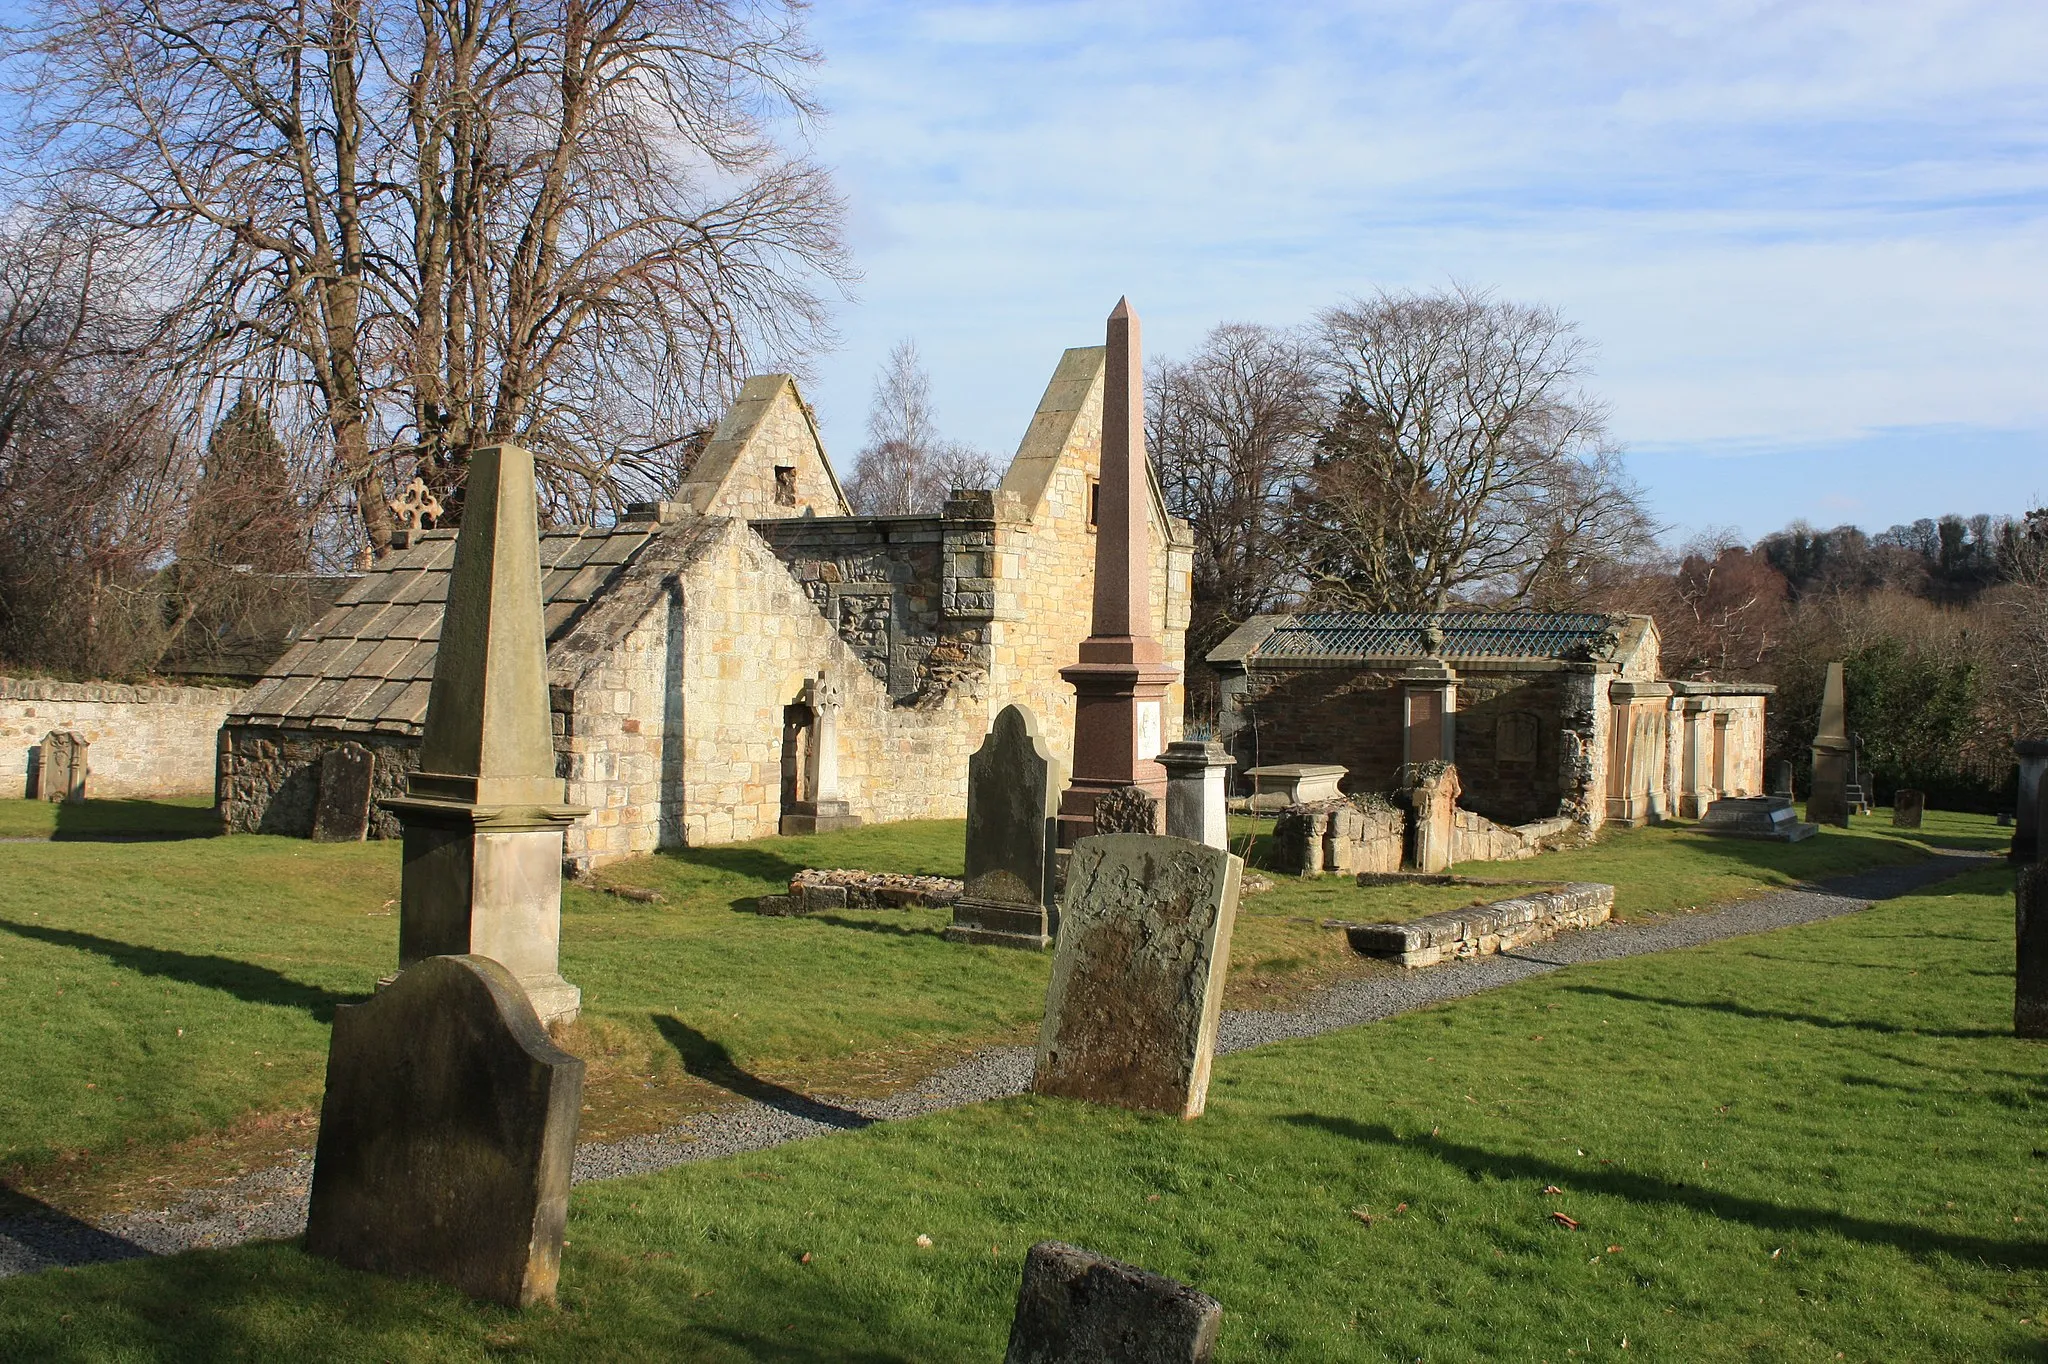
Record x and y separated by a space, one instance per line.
1807 239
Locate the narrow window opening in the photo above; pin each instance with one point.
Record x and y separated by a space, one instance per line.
785 485
1094 503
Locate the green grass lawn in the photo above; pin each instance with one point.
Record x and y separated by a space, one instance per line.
164 1006
1813 1144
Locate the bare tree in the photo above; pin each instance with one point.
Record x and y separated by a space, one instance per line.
906 467
1462 460
1233 433
443 224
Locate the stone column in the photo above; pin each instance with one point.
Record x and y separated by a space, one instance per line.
484 815
2026 825
1637 765
1429 709
1121 677
2030 966
1197 774
1828 801
823 811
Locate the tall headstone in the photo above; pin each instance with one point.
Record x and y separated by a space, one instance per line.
824 811
342 814
1121 677
2030 940
1013 783
1828 801
1197 788
1077 1307
447 1135
1907 808
1781 778
61 769
1137 985
1433 827
2026 825
484 813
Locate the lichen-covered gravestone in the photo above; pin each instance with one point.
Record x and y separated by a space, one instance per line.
61 768
1137 986
1126 810
1013 792
1907 808
1078 1306
342 814
447 1135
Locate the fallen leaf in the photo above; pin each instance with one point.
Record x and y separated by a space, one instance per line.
1400 1207
1536 1037
1151 1198
1362 1215
1614 1250
1564 1221
1776 1253
1552 1189
924 1242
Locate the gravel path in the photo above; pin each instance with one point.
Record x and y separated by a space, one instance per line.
270 1204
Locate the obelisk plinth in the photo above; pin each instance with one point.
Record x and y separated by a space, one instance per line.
1827 801
484 814
1121 678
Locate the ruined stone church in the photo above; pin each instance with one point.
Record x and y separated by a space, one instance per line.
687 642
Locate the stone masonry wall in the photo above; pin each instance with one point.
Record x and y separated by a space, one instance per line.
612 744
269 777
146 741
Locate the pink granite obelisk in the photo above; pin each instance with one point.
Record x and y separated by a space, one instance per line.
1121 679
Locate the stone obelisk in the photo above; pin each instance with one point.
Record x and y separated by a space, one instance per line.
1121 679
484 814
1828 800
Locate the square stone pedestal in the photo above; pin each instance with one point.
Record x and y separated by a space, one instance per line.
1276 787
818 817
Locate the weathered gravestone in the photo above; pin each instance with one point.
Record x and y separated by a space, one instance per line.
1077 1307
1197 772
1781 778
447 1135
1828 801
1433 826
1907 808
1127 810
61 769
342 814
1137 985
2033 779
1013 796
2030 973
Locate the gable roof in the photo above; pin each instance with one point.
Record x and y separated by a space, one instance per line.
1399 636
1073 393
368 663
710 484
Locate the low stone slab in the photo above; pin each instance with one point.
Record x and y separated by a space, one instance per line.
1077 1307
447 1134
1485 929
342 814
1766 817
1137 984
1280 785
1907 808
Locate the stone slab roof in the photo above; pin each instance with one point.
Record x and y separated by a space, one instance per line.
1400 636
367 664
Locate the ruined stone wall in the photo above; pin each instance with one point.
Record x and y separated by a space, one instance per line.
145 741
269 776
751 634
1347 716
1509 730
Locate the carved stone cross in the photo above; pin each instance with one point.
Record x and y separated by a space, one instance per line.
416 503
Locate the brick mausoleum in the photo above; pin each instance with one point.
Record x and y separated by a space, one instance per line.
1542 713
682 641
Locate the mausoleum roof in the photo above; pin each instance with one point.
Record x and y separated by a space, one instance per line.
1416 635
368 663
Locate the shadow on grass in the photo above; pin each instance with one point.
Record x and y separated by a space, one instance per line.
51 1239
710 1062
1477 1163
1722 1006
133 821
244 980
876 926
758 863
760 1345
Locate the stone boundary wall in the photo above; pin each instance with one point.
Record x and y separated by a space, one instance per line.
1475 838
146 741
1485 929
812 891
270 777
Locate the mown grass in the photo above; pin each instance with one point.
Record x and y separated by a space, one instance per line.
164 1006
1817 1143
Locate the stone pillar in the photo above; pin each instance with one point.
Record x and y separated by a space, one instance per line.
1121 677
484 815
1828 801
61 768
1197 775
2030 966
1434 827
1429 709
823 811
1636 761
2026 826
